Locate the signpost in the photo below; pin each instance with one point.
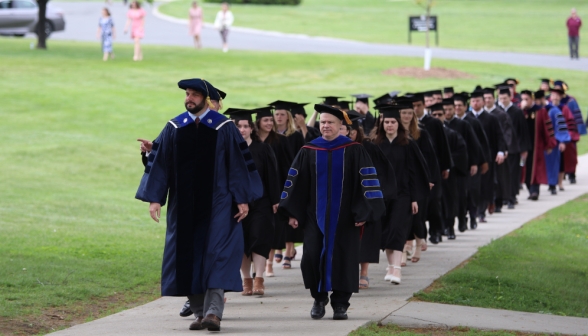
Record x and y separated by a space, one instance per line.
419 24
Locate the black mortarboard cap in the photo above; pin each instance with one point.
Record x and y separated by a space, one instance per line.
215 94
502 84
393 111
489 90
282 105
299 109
478 87
331 100
345 104
362 97
239 114
460 97
561 83
449 101
221 93
324 108
436 107
265 111
527 92
428 93
539 94
448 89
504 90
477 94
560 91
546 81
386 98
512 79
197 84
437 92
416 97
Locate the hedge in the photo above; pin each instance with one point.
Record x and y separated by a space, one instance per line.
259 2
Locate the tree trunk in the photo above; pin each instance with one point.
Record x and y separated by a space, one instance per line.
41 37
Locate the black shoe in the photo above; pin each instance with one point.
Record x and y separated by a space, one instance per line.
185 312
463 225
434 239
318 309
451 234
339 313
553 191
445 232
473 223
511 205
572 180
534 197
498 210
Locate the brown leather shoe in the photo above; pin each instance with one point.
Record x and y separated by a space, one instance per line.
258 287
247 287
197 324
212 322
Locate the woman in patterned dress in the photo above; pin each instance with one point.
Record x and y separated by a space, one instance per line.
106 33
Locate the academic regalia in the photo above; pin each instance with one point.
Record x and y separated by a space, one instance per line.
459 154
311 134
541 131
475 158
412 181
372 230
502 171
295 142
419 227
284 159
522 137
207 169
331 186
552 160
496 142
475 182
570 155
368 122
572 104
258 226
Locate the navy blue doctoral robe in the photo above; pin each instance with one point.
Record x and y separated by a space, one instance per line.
552 160
331 186
206 170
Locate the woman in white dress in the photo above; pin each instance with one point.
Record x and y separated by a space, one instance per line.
224 20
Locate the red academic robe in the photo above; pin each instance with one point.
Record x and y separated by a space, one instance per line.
544 140
570 155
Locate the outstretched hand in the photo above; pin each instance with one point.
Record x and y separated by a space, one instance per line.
146 145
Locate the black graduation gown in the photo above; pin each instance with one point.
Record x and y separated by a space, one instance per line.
459 154
284 159
206 170
258 226
475 182
372 232
295 143
368 122
412 181
331 186
524 145
497 144
503 173
419 228
311 134
440 144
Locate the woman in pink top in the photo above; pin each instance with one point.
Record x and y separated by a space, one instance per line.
196 23
136 19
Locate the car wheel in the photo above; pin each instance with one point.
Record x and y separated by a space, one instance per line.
48 29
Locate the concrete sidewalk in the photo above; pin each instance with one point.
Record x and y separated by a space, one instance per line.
286 306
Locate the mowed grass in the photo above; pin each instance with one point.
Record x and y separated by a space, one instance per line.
539 268
71 231
374 329
531 26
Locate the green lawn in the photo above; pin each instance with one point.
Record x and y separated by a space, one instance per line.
389 329
539 268
534 26
70 229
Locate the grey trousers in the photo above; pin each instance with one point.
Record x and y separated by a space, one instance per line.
211 302
574 43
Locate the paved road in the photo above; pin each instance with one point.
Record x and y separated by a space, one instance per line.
82 18
285 308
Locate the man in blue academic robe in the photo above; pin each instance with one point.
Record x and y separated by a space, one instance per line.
560 128
331 191
202 166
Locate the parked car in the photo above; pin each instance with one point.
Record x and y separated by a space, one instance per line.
18 17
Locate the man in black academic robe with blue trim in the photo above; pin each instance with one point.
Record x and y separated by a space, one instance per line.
202 166
331 191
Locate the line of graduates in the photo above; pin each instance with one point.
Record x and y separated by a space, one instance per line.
356 182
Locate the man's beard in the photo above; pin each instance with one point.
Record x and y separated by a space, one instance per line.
195 109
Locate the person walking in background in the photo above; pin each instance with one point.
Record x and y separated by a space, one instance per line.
223 21
136 20
196 23
106 33
574 23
